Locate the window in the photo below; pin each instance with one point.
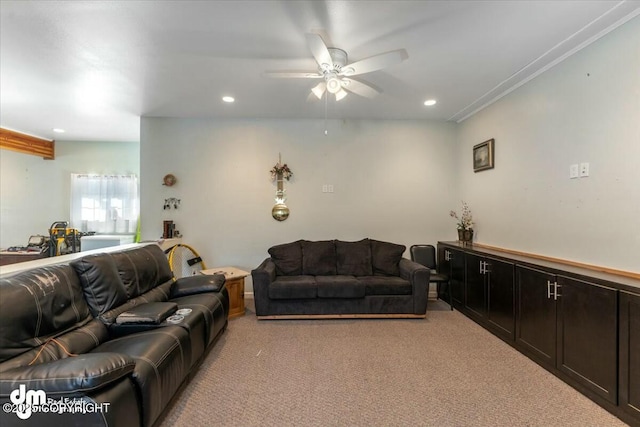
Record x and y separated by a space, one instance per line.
105 204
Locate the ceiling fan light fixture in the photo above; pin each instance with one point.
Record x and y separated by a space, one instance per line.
430 102
318 90
340 94
228 99
333 85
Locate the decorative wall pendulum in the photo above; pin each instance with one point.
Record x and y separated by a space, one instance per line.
279 173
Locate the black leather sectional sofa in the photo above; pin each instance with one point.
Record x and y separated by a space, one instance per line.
106 340
333 278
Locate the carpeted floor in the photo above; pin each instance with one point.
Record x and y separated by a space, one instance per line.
441 371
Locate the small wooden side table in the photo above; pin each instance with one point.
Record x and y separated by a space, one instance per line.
235 285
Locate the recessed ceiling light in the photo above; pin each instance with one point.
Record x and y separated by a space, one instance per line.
58 130
228 98
430 102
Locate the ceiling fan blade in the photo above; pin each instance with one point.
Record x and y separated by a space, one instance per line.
374 63
292 75
360 88
319 50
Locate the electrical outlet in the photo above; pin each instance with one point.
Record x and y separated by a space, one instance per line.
584 169
324 188
573 171
330 188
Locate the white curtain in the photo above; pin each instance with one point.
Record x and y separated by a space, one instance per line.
105 204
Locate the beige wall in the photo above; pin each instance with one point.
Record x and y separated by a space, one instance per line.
34 192
586 109
393 180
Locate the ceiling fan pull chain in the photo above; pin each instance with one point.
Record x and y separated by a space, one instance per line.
326 101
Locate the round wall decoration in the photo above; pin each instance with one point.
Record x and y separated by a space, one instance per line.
169 180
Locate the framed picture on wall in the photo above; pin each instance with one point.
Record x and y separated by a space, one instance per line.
483 155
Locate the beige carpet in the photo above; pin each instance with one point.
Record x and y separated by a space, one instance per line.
441 371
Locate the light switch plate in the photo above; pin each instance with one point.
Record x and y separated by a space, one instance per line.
584 169
573 171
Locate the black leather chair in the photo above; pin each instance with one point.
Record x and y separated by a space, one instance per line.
426 255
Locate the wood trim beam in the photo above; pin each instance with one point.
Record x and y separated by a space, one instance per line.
601 269
27 144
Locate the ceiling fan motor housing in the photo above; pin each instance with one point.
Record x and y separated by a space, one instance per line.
339 58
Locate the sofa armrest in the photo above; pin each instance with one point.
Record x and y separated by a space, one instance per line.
191 285
418 275
262 277
73 375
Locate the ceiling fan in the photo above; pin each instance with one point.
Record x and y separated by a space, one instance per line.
336 72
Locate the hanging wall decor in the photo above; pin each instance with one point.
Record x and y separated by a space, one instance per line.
279 173
483 155
169 180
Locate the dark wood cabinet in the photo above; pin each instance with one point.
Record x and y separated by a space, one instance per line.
581 324
452 263
501 297
629 354
475 287
536 315
489 293
587 331
570 325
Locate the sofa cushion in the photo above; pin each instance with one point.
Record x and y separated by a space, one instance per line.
319 258
163 359
386 257
158 294
339 287
291 287
103 289
81 373
354 258
214 307
39 304
385 285
142 269
287 258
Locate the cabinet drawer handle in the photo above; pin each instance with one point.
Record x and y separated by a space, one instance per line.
556 295
549 289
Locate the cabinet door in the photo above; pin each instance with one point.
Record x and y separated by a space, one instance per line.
629 374
444 267
475 287
587 335
456 277
501 298
535 315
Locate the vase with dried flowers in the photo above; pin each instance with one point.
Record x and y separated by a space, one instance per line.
465 223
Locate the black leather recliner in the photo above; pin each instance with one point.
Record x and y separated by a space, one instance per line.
60 333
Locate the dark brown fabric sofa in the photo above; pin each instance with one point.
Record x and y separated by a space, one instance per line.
334 278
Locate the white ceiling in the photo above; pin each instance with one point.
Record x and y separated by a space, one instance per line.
94 67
